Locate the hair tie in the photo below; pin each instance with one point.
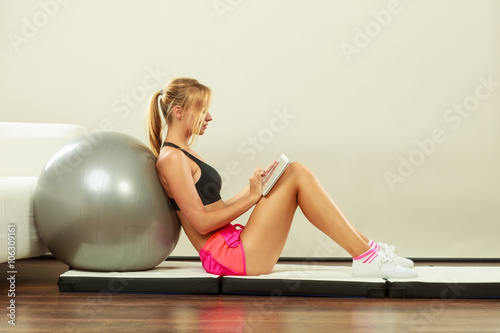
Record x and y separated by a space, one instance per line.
160 92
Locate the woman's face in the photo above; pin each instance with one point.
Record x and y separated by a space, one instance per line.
206 118
191 118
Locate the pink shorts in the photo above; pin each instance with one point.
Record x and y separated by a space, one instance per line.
223 252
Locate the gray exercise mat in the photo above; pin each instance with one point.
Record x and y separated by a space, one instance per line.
306 280
171 277
447 282
189 277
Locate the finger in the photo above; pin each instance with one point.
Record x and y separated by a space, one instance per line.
271 166
258 174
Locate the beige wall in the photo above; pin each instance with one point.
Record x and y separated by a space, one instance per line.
393 104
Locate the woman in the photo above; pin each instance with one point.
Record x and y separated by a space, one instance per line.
194 189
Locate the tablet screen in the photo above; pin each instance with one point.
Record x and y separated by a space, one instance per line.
275 174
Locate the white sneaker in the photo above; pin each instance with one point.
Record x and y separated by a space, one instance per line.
382 266
389 251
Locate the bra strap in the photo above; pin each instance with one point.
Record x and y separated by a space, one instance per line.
170 144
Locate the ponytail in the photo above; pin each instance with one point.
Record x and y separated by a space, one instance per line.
154 124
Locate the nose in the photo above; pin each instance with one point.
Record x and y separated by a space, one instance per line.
208 117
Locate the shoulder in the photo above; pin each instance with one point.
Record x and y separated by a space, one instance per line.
170 159
170 155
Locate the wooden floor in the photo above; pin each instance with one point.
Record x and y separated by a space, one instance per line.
41 308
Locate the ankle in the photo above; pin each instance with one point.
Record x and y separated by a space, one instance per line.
367 257
359 250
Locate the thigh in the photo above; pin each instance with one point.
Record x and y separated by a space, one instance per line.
267 229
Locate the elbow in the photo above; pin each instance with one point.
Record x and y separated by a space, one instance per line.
201 228
202 221
200 225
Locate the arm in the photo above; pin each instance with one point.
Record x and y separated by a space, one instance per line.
175 169
246 191
241 195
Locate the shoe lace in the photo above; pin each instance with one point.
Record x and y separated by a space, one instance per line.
388 259
387 248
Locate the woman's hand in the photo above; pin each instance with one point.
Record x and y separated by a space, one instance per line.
257 181
256 184
269 171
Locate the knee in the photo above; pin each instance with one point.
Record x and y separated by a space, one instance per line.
297 167
300 170
297 175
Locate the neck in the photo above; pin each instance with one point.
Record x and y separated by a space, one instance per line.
177 138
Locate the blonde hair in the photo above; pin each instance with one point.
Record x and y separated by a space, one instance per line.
184 92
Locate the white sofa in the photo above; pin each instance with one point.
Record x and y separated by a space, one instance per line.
25 148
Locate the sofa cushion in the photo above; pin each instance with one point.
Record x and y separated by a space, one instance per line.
16 208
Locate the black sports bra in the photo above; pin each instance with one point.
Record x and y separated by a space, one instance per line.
209 184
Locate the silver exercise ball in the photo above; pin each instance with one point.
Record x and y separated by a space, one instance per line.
99 205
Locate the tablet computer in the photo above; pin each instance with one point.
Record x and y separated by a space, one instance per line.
275 173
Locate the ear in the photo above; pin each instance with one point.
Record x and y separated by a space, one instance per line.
177 110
